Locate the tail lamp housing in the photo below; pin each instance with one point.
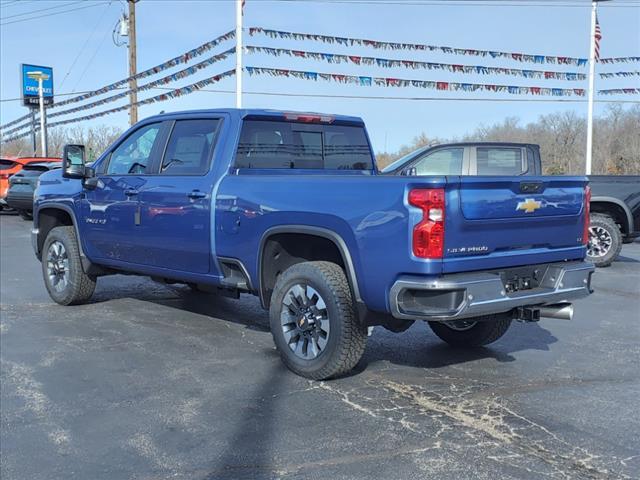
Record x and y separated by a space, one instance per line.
587 212
428 234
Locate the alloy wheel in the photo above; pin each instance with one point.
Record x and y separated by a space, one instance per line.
600 242
305 321
58 266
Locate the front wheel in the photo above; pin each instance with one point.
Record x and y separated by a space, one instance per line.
472 332
605 240
314 322
64 278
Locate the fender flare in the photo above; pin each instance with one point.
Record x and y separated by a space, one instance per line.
319 232
619 203
86 263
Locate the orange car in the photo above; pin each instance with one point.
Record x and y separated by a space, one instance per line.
10 166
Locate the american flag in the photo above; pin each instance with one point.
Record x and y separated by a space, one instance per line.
598 37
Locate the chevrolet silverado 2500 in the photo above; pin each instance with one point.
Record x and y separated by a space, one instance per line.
290 207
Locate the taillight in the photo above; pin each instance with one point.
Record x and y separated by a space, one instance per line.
4 176
428 235
586 209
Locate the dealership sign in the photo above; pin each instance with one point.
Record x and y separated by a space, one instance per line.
29 81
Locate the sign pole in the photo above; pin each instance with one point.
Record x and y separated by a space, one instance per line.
34 142
239 53
43 122
592 68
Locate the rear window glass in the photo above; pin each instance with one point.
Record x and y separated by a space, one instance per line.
269 144
499 161
447 161
6 164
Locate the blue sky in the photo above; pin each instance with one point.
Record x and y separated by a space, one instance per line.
168 28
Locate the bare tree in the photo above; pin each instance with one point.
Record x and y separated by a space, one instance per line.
95 139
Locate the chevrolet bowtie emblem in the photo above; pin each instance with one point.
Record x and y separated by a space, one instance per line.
529 205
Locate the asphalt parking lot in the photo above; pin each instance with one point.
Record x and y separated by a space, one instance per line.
156 382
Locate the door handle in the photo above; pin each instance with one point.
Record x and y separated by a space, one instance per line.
196 194
130 193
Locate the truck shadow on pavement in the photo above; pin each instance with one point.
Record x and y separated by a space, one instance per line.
416 347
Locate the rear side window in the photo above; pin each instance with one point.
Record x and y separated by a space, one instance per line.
6 164
499 161
189 149
272 144
447 161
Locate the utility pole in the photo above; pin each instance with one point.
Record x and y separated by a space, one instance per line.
133 84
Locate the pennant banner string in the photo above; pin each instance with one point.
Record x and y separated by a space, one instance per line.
390 63
620 74
179 92
401 82
181 59
619 91
619 60
161 81
348 41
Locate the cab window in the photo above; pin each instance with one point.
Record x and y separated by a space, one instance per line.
133 155
498 161
189 149
446 161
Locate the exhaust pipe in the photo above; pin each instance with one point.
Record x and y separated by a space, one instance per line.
559 311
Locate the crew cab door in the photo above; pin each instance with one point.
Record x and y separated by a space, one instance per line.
175 203
109 211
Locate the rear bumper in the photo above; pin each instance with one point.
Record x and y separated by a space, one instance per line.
482 293
20 201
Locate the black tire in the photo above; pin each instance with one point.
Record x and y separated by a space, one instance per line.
605 240
487 329
25 215
78 286
346 338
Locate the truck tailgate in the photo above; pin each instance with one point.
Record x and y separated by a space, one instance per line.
495 222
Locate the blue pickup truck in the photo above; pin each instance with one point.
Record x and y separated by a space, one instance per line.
290 207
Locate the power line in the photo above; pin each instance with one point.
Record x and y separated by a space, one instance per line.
104 37
41 10
462 3
85 44
52 14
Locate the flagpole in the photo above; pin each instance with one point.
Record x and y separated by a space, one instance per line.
239 53
592 69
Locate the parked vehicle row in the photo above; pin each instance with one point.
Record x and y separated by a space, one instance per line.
615 200
22 186
290 207
12 166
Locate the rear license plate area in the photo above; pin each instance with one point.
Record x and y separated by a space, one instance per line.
522 278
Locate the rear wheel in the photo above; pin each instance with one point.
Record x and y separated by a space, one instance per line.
472 332
605 240
64 278
313 321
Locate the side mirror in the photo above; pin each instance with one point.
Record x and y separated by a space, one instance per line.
73 161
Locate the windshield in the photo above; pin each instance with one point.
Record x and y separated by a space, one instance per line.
402 160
